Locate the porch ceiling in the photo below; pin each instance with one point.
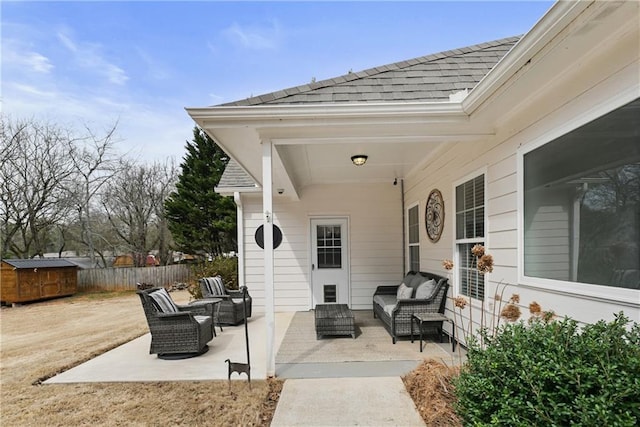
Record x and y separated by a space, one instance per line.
317 148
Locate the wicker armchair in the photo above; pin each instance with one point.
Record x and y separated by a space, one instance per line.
231 308
176 331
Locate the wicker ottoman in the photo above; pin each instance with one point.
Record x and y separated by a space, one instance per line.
334 319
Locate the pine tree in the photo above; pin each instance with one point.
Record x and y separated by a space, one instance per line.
202 221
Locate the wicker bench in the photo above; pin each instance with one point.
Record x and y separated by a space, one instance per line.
396 314
334 319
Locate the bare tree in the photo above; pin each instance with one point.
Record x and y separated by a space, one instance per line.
35 168
94 162
133 201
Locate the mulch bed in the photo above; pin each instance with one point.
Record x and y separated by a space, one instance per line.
431 389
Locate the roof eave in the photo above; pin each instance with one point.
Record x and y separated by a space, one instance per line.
549 26
230 116
230 191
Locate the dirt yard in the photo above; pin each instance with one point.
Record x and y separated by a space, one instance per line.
40 339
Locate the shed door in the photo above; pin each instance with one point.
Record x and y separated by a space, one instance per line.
329 261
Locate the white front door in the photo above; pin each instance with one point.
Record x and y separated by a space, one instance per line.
329 261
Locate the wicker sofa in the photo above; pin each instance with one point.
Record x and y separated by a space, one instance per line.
427 294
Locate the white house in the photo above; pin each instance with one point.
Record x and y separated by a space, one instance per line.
532 143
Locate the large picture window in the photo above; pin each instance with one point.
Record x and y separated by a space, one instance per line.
582 203
470 230
414 238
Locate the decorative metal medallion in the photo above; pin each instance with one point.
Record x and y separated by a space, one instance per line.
434 215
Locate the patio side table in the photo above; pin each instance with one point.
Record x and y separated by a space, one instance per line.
423 320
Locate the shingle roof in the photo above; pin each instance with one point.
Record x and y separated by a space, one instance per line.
39 263
235 176
427 78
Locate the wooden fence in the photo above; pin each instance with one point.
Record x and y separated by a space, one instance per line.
119 279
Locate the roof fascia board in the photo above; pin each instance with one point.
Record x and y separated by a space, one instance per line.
229 191
550 25
273 115
407 139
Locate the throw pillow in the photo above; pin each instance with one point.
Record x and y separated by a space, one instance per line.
205 286
404 292
215 285
426 289
163 301
218 286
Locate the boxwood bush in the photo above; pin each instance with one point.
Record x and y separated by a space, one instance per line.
553 373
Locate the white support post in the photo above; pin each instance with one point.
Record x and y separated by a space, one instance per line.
240 222
267 204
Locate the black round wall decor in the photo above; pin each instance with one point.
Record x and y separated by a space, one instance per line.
277 236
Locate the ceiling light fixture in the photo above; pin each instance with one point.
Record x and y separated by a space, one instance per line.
359 159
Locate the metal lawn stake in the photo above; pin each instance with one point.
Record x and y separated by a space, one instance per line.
237 366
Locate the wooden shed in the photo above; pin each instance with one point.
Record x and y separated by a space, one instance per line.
23 280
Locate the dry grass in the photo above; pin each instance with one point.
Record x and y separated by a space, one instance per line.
40 339
432 392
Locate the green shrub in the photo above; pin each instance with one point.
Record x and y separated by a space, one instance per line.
225 267
553 374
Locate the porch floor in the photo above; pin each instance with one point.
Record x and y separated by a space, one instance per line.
299 354
370 354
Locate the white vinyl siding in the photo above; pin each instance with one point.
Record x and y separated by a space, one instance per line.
554 113
375 245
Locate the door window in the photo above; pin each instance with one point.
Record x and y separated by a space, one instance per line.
329 246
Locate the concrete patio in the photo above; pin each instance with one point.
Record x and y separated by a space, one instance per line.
299 355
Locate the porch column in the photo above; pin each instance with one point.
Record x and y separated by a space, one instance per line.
240 236
267 204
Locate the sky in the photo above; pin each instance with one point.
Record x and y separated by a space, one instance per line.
139 64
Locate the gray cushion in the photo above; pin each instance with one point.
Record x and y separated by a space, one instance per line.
389 308
426 289
163 302
408 278
202 319
417 281
404 292
384 300
387 302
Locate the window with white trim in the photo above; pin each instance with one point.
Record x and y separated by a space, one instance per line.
470 229
413 228
582 203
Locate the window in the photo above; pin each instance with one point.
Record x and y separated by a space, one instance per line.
329 246
414 239
582 203
469 232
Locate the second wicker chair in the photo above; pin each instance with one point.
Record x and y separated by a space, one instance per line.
232 306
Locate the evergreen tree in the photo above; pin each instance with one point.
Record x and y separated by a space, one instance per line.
201 221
